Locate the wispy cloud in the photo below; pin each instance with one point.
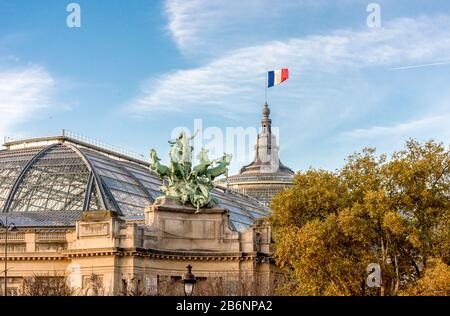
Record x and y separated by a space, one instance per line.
23 92
390 138
198 24
231 81
426 126
182 26
422 65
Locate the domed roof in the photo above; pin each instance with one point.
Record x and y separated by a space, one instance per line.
266 174
65 177
266 159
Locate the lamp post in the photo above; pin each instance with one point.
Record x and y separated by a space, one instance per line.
189 281
7 227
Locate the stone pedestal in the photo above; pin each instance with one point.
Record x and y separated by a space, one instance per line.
98 229
176 227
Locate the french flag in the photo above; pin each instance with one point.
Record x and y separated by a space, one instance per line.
277 76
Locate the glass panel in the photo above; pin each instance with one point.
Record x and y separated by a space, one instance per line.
240 218
239 226
11 164
130 198
55 182
128 193
257 215
130 209
123 186
143 174
94 201
151 186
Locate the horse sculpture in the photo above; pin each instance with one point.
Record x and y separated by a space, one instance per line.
204 164
155 165
221 168
185 183
202 197
182 144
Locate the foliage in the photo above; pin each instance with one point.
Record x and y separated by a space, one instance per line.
435 281
215 284
330 225
46 285
226 284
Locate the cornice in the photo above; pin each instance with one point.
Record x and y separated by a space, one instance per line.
142 253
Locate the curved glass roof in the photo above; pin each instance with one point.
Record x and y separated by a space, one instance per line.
64 176
55 180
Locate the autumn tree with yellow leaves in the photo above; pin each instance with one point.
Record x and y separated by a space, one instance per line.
393 212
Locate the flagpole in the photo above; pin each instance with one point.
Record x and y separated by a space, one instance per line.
266 83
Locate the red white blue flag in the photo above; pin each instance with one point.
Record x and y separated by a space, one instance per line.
275 77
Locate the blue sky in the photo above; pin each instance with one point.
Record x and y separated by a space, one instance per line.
137 69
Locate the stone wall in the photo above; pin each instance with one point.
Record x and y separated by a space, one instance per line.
146 258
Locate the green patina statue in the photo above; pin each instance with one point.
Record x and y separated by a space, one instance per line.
185 183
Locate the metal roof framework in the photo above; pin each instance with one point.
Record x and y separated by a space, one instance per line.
65 176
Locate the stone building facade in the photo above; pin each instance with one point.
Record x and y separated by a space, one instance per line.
81 210
131 258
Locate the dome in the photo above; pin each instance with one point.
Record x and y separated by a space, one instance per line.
266 175
56 178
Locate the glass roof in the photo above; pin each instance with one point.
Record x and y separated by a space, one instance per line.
66 176
128 194
11 164
55 181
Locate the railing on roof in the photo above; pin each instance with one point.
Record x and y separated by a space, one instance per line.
102 145
88 141
8 139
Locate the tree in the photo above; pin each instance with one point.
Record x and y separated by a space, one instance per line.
331 225
435 281
46 285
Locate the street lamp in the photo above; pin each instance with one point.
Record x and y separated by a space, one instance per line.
7 227
189 281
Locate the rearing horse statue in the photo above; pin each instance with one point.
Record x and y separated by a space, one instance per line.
185 183
204 164
155 165
221 168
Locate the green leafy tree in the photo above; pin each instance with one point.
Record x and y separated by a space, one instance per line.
330 225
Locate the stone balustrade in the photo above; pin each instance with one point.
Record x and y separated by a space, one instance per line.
12 236
51 236
32 241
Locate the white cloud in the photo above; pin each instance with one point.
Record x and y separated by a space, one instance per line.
422 65
200 25
23 92
438 126
390 138
182 26
191 21
337 79
231 82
